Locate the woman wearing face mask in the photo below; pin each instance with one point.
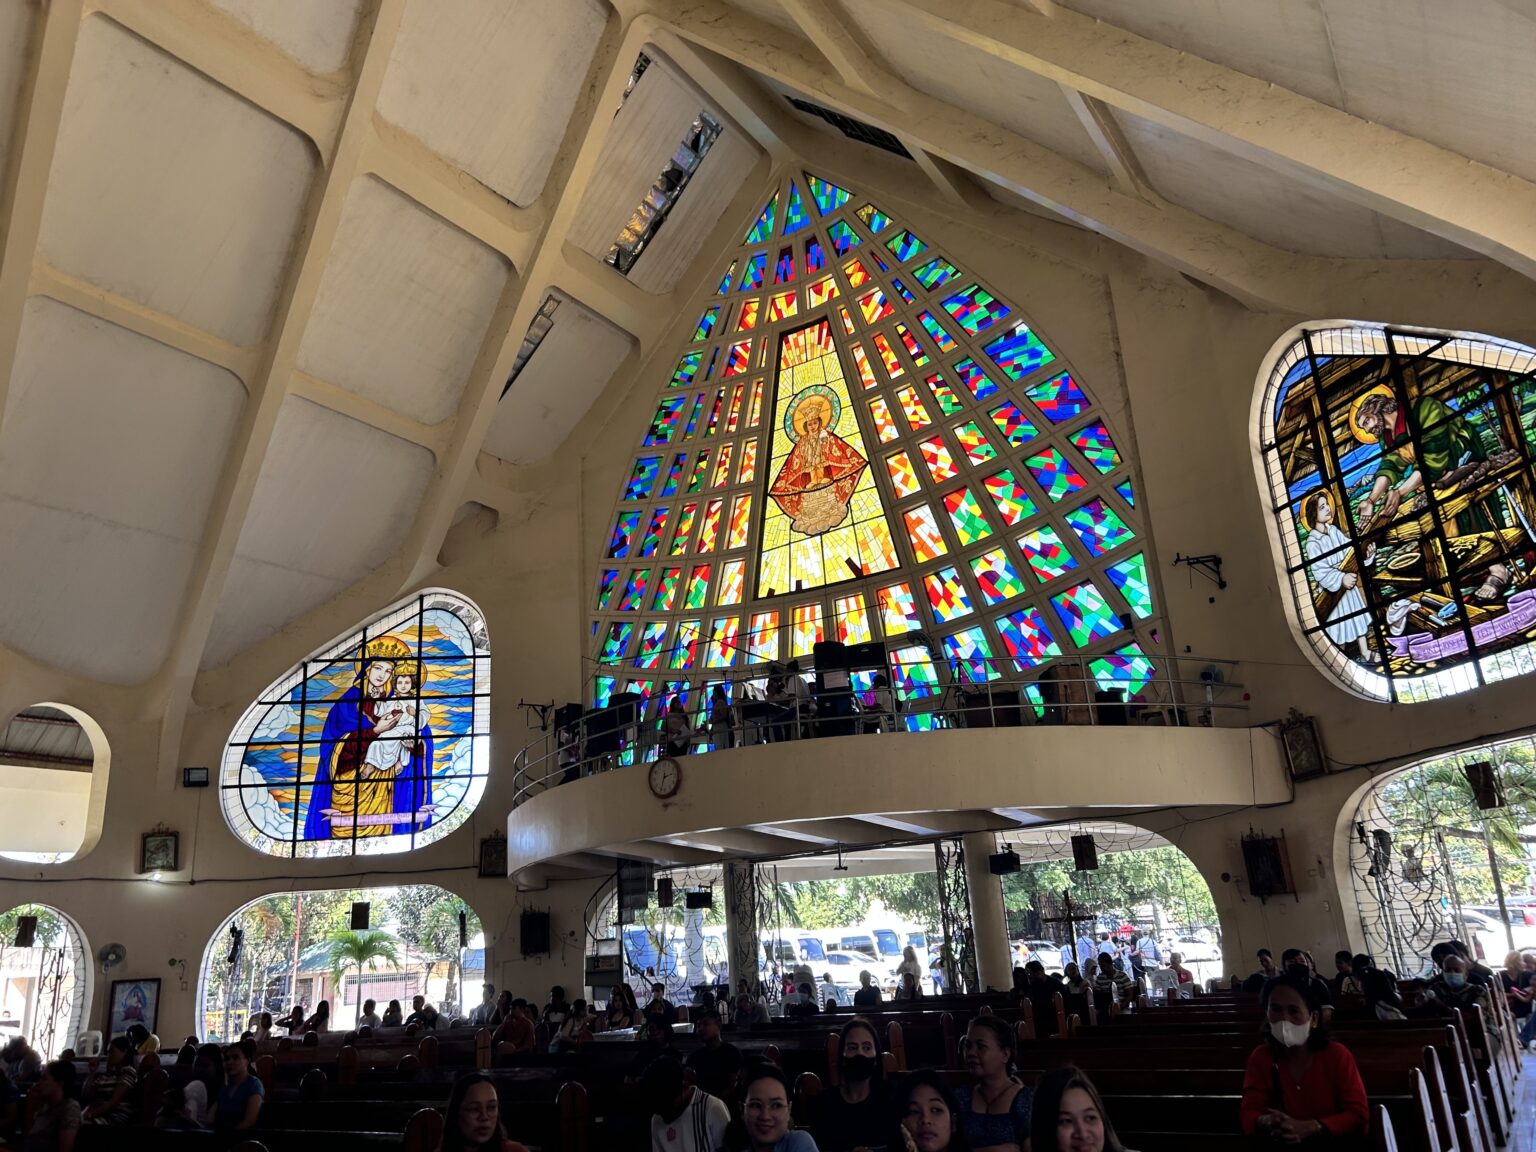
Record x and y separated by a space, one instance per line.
852 1117
1454 988
995 1110
1069 1115
1299 1085
927 1116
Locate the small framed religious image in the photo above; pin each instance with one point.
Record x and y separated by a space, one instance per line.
160 851
133 1002
493 857
1303 748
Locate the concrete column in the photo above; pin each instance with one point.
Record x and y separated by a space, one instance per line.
741 921
989 923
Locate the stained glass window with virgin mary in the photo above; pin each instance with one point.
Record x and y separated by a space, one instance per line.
378 743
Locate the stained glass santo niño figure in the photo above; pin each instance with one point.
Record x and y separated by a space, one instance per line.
818 476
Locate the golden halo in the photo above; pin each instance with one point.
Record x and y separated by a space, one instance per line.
813 405
1306 503
1360 433
398 653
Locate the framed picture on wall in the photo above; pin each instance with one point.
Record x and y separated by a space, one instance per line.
160 851
1303 748
133 1002
493 857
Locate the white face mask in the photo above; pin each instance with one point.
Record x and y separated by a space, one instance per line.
1291 1035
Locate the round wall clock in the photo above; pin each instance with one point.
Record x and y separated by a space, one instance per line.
666 778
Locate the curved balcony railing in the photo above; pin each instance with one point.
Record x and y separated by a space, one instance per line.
633 729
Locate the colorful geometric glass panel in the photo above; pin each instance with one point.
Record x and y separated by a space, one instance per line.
901 290
683 529
818 292
643 478
752 279
904 246
815 257
624 529
978 449
1059 398
725 281
1127 493
686 650
1018 352
700 470
975 308
616 643
887 355
898 610
852 619
828 196
941 465
909 342
934 273
666 590
875 306
741 520
784 266
857 274
747 472
1093 441
967 517
1026 639
1098 527
946 595
732 574
698 588
653 640
653 532
605 585
943 394
1084 614
923 532
912 673
667 421
747 318
808 630
1125 668
721 651
996 576
825 520
1045 552
977 382
874 219
1052 472
844 239
737 358
687 367
971 656
1013 424
763 637
936 332
722 474
781 307
795 215
709 529
903 477
706 325
1129 576
1013 502
861 362
912 408
675 474
885 427
763 227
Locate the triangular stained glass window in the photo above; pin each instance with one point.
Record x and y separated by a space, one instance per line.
764 226
874 219
829 197
795 215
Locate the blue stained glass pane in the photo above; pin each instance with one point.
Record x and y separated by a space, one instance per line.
1019 352
795 215
844 239
829 197
752 279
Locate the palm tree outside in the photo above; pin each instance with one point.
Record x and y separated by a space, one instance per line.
361 950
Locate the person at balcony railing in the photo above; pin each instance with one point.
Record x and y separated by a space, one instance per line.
721 718
568 747
877 703
805 705
676 732
781 702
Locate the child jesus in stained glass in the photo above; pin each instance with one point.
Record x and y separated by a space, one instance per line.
819 475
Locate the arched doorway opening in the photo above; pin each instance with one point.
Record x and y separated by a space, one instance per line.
45 984
1427 863
54 763
293 948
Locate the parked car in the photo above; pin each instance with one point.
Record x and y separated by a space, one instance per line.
1194 950
1048 952
845 966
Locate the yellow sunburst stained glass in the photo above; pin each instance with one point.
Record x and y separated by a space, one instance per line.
824 521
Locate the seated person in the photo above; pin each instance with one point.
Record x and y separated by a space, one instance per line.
1299 1085
683 1116
294 1021
483 1012
749 1011
321 1020
868 994
422 1014
1267 971
659 1007
854 1114
1069 1115
995 1110
517 1029
827 990
576 1029
473 1118
1112 978
927 1115
556 1009
56 1118
110 1092
175 1113
909 989
370 1017
765 1124
239 1102
22 1065
801 1002
715 1062
393 1016
145 1042
206 1083
1453 987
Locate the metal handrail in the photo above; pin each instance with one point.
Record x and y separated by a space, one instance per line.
1067 693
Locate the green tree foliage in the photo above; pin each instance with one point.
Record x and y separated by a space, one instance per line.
428 917
361 950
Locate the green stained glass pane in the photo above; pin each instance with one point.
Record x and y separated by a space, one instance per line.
1048 557
1059 398
969 520
936 332
944 395
828 196
912 673
1084 614
874 219
616 642
706 324
763 228
666 590
602 690
844 239
1127 493
688 367
685 650
1127 669
1026 639
1130 577
675 474
752 279
653 642
996 577
1051 470
1013 424
978 449
725 281
1099 528
1013 502
904 246
698 588
643 478
605 585
634 590
624 529
935 273
975 308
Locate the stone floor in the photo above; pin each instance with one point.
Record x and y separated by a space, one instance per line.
1524 1136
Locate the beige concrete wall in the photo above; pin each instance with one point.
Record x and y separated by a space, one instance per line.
1173 365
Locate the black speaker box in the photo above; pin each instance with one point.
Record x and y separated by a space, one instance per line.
867 657
360 916
829 654
1004 863
533 931
1487 785
1268 865
1085 853
664 892
701 899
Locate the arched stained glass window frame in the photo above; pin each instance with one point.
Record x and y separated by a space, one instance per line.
273 762
1479 631
1008 441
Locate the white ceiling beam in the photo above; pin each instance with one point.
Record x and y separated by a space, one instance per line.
226 51
838 39
135 317
1430 187
584 277
739 842
759 113
40 112
849 831
662 852
1115 150
237 484
433 437
1253 272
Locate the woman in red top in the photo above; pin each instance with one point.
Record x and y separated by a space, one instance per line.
1300 1085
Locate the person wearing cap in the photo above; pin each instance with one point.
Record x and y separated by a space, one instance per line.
481 1016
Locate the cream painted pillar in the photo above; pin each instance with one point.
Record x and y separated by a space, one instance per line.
989 923
741 922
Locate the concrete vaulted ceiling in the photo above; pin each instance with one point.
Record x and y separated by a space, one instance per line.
268 264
